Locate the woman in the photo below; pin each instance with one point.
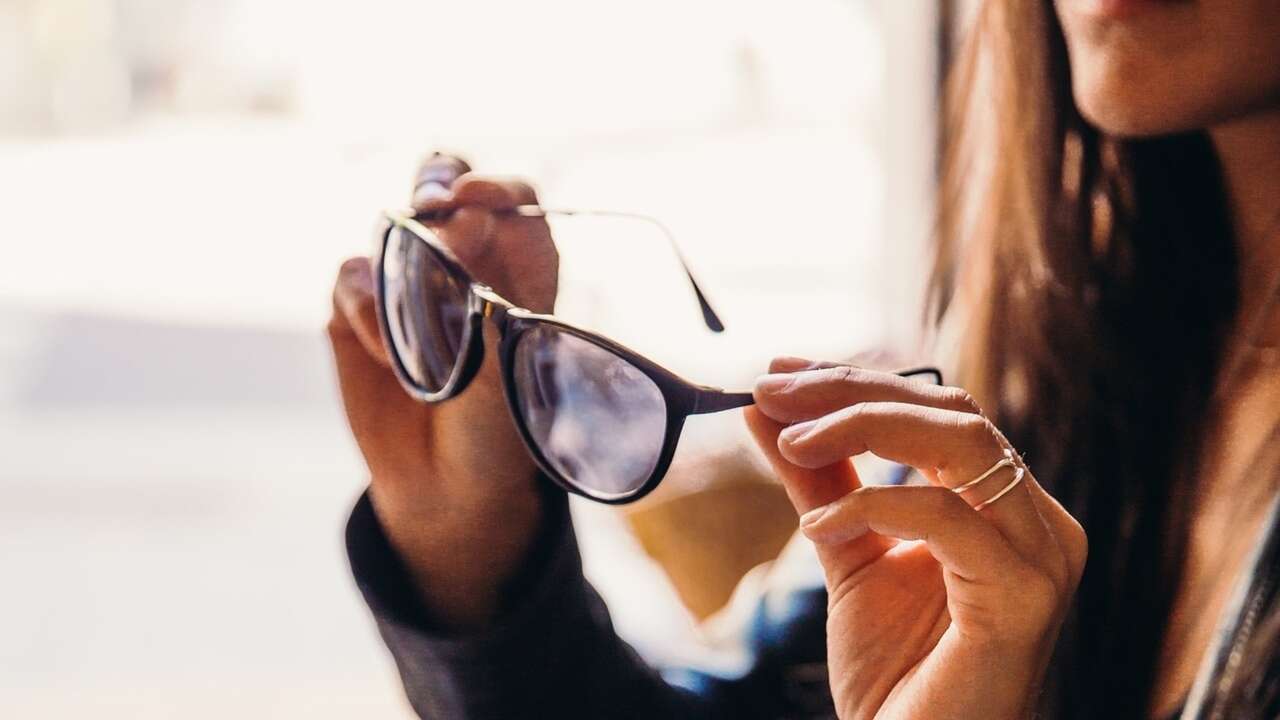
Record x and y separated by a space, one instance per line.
1110 253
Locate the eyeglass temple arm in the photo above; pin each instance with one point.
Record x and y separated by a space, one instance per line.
709 316
713 400
911 372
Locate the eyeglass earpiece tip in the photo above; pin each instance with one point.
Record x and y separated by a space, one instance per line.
709 315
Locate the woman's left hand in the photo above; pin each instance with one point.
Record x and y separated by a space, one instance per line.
935 609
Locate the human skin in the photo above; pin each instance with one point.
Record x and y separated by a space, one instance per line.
935 609
965 589
1139 68
454 489
1153 67
451 483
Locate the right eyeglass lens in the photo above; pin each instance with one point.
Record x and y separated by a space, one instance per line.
595 417
426 308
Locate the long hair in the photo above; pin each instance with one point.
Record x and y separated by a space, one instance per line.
1093 279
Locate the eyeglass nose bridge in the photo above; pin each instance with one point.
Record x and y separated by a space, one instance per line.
487 303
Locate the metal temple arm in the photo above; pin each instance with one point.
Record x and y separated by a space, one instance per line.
709 316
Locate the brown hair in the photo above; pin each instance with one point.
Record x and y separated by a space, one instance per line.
1093 278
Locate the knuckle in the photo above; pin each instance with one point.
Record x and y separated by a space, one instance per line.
849 375
941 502
976 428
974 436
481 190
853 416
1038 597
960 399
857 500
508 194
472 182
838 378
1076 548
1058 572
523 192
1025 610
842 374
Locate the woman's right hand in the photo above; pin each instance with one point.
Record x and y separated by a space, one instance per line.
451 483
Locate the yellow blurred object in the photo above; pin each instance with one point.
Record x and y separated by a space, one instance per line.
707 539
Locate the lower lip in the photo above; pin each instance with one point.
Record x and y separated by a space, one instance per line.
1117 8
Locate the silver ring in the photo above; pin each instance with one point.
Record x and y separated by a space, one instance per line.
1007 461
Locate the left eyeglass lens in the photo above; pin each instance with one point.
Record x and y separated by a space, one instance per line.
596 418
426 307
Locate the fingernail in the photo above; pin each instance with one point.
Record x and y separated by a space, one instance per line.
815 527
830 533
798 433
813 517
429 194
775 383
790 363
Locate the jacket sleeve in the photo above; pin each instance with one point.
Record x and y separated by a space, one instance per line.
552 653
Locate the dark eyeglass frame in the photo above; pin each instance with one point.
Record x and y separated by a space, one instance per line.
681 397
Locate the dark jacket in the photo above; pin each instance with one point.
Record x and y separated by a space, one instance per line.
554 654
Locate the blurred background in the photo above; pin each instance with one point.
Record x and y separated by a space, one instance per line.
180 181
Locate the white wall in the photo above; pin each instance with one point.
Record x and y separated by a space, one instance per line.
172 552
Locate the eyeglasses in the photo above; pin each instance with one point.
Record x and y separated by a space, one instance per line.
599 419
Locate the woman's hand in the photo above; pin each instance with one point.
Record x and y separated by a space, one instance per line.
935 609
451 483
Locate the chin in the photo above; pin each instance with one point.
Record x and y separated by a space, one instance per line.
1127 97
1125 110
1141 68
1130 117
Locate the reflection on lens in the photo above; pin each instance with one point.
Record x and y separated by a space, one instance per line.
426 310
598 420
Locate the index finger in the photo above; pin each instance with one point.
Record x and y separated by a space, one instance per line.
959 446
809 394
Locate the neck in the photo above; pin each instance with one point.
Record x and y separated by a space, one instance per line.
1249 150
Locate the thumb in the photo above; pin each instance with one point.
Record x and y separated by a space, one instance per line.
814 488
355 313
807 488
